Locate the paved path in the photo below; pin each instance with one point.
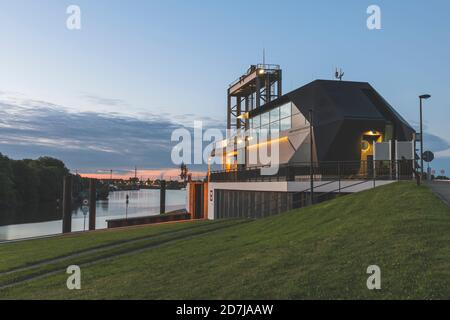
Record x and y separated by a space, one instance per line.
442 189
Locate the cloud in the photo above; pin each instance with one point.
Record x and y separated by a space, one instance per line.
86 141
443 154
432 142
435 143
98 100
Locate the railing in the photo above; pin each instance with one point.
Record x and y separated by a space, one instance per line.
339 170
265 67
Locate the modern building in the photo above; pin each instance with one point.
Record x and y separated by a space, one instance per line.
329 137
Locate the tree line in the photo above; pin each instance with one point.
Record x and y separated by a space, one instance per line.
31 183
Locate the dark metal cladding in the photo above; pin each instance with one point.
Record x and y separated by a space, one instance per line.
342 111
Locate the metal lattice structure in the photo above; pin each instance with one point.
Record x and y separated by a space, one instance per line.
261 84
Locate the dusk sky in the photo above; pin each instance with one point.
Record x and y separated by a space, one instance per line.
109 95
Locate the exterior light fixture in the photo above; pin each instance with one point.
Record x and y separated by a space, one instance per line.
244 116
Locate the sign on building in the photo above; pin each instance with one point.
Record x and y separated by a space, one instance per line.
382 151
404 150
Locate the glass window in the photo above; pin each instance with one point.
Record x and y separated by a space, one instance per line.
285 110
275 126
275 115
265 119
263 133
285 124
256 122
298 120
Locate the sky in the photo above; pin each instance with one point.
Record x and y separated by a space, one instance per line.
107 96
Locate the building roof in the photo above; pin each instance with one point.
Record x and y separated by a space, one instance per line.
333 101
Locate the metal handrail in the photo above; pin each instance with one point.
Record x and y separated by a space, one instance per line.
344 170
265 67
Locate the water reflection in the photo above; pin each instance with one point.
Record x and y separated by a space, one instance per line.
34 222
46 212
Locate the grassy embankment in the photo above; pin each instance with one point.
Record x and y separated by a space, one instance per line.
318 252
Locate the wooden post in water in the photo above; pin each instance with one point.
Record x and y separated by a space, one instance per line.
67 204
92 203
162 198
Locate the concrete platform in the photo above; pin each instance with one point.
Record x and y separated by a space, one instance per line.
135 221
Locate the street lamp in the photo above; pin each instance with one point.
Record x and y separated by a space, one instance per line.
421 98
311 151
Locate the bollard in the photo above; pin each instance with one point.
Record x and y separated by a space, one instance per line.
92 203
67 204
162 203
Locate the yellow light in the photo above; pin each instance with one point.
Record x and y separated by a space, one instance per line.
282 139
231 154
243 116
372 133
262 71
365 146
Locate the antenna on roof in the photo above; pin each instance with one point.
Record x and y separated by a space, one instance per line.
264 56
339 74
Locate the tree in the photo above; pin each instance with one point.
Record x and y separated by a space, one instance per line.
51 173
26 182
7 194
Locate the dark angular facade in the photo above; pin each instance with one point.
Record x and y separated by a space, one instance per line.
343 112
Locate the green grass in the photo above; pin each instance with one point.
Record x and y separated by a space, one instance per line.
318 252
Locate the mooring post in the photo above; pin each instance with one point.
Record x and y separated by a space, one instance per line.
162 203
92 203
67 204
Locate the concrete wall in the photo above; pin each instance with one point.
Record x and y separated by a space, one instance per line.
276 188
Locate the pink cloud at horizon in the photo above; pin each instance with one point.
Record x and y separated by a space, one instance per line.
152 174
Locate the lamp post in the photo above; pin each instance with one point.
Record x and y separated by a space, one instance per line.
311 151
421 98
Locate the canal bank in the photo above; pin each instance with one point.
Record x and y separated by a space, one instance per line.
143 202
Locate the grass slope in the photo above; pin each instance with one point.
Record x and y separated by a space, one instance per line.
318 252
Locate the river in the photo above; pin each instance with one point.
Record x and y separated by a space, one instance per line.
141 203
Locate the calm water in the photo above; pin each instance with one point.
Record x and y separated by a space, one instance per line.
142 203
